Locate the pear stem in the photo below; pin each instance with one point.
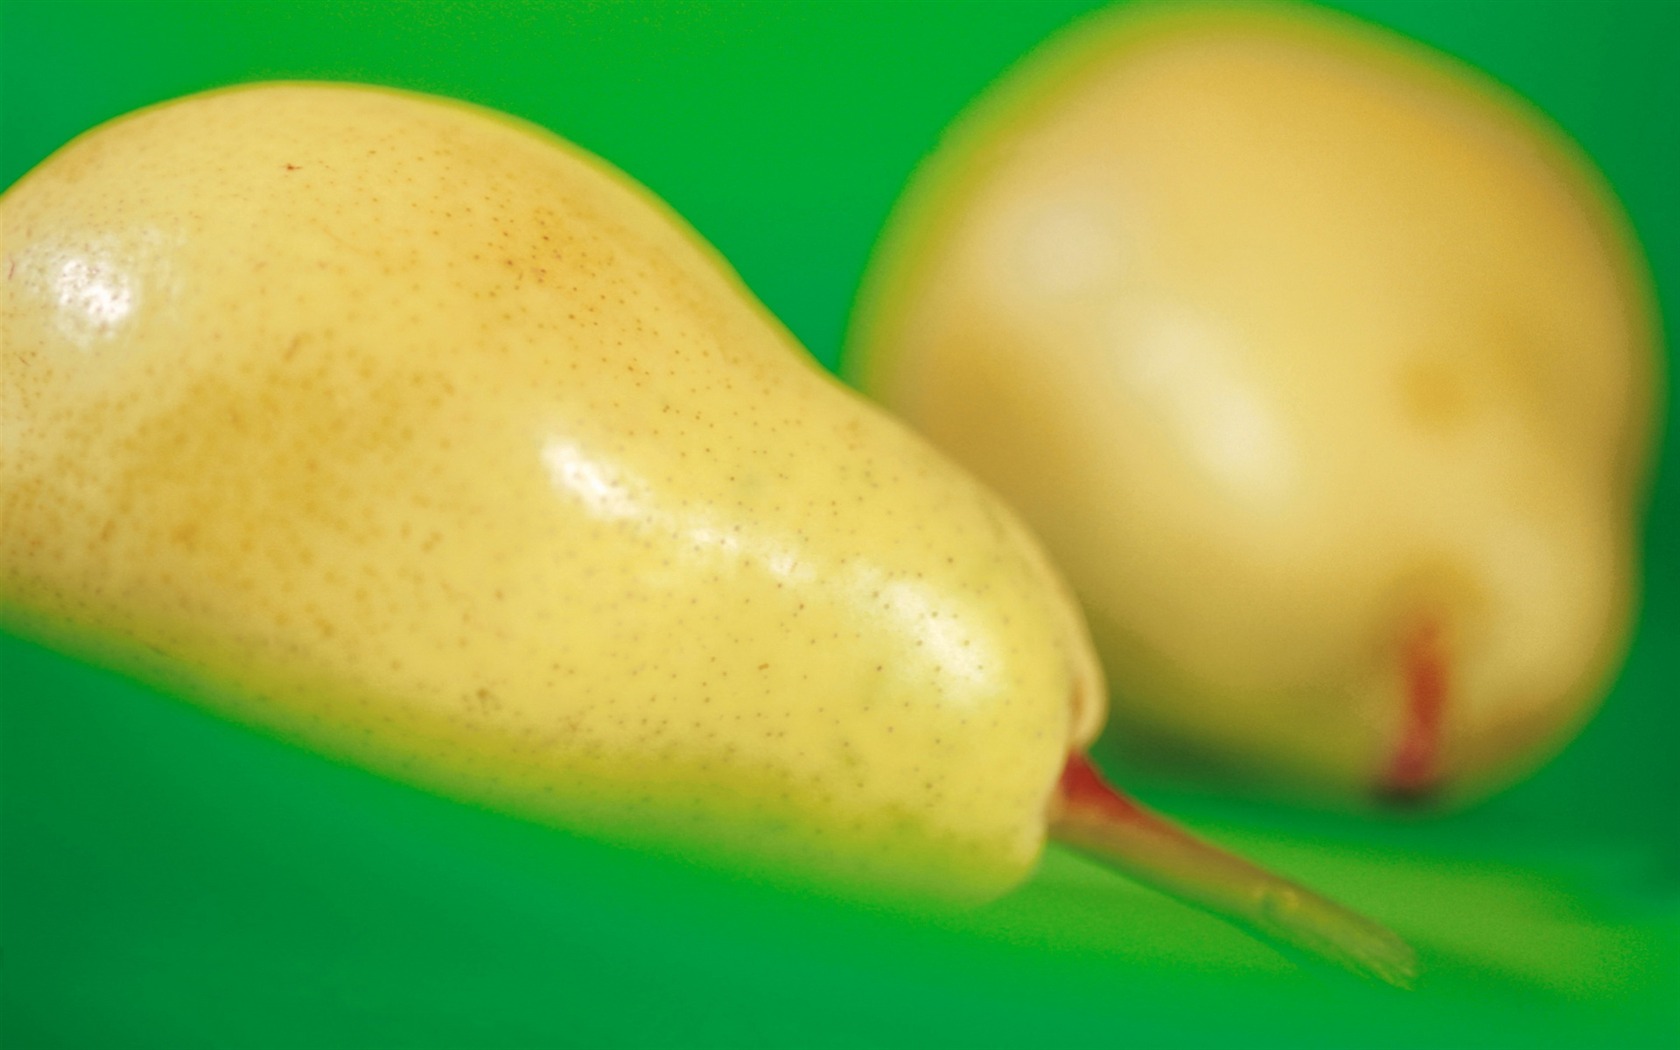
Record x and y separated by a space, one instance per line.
1092 817
1414 769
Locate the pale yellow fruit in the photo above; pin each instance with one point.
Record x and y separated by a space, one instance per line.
422 437
1323 368
419 436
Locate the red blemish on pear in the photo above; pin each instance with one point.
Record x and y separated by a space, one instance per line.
1414 771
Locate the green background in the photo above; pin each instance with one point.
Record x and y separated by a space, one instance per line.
170 880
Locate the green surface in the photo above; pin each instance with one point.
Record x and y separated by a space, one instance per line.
169 880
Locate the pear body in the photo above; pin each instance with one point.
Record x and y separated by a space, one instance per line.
1325 372
421 437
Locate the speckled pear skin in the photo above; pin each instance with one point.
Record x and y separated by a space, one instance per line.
1325 370
423 438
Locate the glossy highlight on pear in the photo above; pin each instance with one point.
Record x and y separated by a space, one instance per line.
426 440
1324 368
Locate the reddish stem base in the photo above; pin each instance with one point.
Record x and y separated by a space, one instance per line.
1414 772
1092 817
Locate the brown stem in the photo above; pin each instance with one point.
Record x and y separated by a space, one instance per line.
1094 818
1414 768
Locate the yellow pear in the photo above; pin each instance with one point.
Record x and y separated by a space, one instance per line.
423 438
1323 369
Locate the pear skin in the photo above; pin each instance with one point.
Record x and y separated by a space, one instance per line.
422 438
394 422
1323 369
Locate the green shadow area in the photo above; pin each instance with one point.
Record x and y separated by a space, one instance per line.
172 880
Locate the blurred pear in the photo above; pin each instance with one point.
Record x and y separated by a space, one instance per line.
1323 368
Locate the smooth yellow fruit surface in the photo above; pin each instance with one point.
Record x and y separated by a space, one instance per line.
1324 370
422 437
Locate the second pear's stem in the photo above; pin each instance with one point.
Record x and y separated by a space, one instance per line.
1414 769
